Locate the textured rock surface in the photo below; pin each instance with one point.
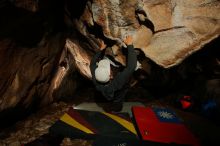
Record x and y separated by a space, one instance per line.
29 72
181 28
31 5
34 126
37 63
81 57
34 64
116 17
75 142
167 31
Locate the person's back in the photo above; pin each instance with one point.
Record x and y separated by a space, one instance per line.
113 89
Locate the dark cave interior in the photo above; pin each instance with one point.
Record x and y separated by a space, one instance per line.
198 76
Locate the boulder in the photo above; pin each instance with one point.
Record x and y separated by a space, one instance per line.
166 31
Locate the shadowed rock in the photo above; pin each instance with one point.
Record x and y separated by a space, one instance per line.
36 61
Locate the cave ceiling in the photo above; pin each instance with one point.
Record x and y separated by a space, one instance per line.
167 31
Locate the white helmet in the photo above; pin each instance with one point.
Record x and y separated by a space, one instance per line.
102 72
